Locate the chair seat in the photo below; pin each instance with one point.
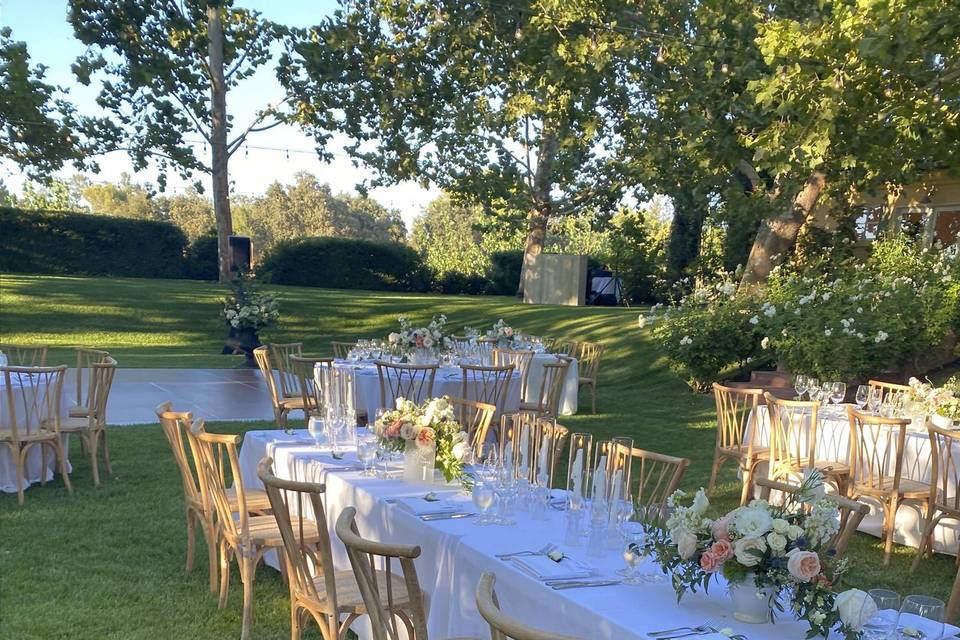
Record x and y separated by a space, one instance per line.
349 598
532 406
913 489
291 403
265 532
761 453
6 435
74 424
78 411
256 499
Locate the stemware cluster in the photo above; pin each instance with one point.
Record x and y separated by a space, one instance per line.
886 616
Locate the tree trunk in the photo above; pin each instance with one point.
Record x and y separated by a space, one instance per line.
539 214
777 234
218 142
685 230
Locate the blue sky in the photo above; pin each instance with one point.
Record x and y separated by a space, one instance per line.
42 25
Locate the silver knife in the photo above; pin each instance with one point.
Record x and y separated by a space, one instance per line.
581 584
446 516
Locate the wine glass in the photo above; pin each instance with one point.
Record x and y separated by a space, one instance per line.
800 384
879 624
632 533
838 392
367 452
874 399
483 494
814 389
863 396
315 429
505 486
923 615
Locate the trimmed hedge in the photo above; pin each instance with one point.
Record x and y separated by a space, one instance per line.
504 273
85 244
343 263
202 254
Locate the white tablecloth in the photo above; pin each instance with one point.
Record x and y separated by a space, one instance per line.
34 465
448 382
456 552
833 444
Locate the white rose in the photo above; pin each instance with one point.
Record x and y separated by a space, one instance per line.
777 543
686 545
427 342
753 522
393 338
700 503
765 343
459 450
855 608
794 532
780 525
744 546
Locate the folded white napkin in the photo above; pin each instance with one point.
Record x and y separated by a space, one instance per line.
543 568
418 506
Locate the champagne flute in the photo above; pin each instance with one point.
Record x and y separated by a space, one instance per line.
862 397
923 615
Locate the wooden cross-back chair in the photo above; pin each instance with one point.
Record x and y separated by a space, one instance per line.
282 406
460 342
654 477
520 360
487 384
92 428
390 593
589 367
280 355
411 381
793 443
475 418
332 598
341 349
944 486
503 627
851 512
311 384
86 358
242 535
547 397
563 347
25 355
32 419
877 445
737 411
178 428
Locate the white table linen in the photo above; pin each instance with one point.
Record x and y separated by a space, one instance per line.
34 471
833 444
456 552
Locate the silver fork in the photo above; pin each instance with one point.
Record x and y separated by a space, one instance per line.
547 548
692 631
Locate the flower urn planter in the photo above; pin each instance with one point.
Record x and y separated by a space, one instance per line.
751 604
242 340
418 464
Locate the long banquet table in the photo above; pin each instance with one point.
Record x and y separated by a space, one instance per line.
833 444
448 382
456 552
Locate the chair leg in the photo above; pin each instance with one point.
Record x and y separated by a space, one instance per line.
191 539
746 493
890 524
210 536
224 574
714 472
62 460
92 436
248 568
925 540
106 453
295 622
43 465
19 467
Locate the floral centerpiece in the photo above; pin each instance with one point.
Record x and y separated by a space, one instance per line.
248 308
429 429
780 554
938 402
501 332
428 337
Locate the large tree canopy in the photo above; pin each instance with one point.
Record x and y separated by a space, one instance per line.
168 67
500 103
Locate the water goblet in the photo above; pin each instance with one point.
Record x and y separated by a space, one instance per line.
880 624
483 495
874 399
506 489
923 615
800 384
633 534
838 392
315 428
863 394
367 453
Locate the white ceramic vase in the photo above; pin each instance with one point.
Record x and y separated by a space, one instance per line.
750 604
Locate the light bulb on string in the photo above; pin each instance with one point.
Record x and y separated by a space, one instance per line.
288 155
661 55
724 68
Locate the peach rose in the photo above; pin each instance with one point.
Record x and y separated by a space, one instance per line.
709 562
393 430
418 340
803 565
426 437
722 550
721 528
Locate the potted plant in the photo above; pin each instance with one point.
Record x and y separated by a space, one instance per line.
246 312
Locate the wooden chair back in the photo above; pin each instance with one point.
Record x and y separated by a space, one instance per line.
308 551
310 384
654 477
852 512
503 627
475 418
176 426
793 434
520 359
550 393
485 348
262 356
889 389
945 470
736 416
216 454
86 358
564 347
460 343
411 381
589 359
33 400
342 349
280 354
379 598
101 382
25 355
490 385
876 446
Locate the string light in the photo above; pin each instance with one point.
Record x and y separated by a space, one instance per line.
661 55
724 68
288 154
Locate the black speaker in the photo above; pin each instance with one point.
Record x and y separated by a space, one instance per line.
241 253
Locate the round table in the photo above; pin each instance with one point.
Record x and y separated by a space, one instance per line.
33 470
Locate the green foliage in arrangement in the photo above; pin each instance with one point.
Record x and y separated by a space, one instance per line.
340 263
899 310
81 244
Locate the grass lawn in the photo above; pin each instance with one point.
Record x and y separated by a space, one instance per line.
108 563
